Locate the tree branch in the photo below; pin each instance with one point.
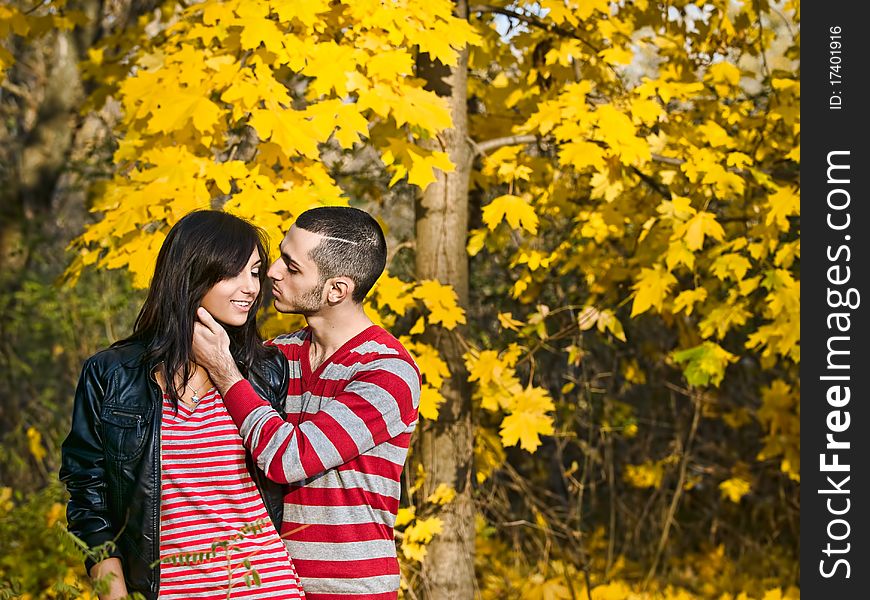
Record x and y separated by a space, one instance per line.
533 21
496 143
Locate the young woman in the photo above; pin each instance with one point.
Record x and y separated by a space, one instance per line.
153 462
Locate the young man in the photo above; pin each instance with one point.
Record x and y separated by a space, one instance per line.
351 407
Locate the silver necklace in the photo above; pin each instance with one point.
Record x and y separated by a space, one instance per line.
195 397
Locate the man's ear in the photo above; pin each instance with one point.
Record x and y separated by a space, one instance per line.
339 289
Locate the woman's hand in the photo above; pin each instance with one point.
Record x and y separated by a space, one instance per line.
111 572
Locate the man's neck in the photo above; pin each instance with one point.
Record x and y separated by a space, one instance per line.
329 333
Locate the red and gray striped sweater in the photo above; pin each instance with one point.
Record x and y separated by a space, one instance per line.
342 449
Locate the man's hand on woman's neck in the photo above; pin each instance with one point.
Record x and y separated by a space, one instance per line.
211 349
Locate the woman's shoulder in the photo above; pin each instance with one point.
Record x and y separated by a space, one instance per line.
123 354
270 375
274 362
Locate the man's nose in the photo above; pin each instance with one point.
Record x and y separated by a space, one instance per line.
274 272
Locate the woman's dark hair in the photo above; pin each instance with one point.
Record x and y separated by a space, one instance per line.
201 249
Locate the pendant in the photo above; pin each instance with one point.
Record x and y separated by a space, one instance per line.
194 399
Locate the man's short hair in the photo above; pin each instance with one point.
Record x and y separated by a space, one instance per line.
353 245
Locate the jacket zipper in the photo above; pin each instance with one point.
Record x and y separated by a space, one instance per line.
155 584
139 419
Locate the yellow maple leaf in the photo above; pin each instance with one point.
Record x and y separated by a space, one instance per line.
419 326
724 72
443 494
390 65
430 401
678 208
584 9
738 160
418 163
616 55
533 399
538 587
715 135
393 293
141 254
432 366
405 515
617 131
484 367
441 300
423 530
288 130
731 265
687 299
735 488
507 321
652 287
257 29
697 228
678 253
177 110
646 110
603 186
783 204
705 363
515 210
304 12
34 441
607 321
329 63
413 551
581 154
476 241
421 171
488 366
525 429
418 107
645 475
724 318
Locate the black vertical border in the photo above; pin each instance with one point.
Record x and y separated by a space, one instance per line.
824 130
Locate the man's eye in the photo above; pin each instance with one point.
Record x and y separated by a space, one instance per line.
255 272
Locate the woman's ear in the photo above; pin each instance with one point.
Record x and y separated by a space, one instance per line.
340 288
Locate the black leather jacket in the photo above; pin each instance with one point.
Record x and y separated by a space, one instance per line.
110 461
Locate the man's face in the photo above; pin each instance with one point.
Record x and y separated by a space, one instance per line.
296 284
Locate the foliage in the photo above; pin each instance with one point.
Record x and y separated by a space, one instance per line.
46 332
633 335
19 23
36 559
232 103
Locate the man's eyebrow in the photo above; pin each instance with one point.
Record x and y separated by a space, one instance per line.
288 259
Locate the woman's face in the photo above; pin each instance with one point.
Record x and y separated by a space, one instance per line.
230 300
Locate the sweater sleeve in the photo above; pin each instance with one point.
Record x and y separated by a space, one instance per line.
377 404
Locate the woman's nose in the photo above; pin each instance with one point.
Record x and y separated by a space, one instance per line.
251 285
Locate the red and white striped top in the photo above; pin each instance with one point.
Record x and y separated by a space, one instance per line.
342 449
207 496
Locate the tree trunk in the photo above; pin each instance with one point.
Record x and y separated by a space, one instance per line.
445 447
